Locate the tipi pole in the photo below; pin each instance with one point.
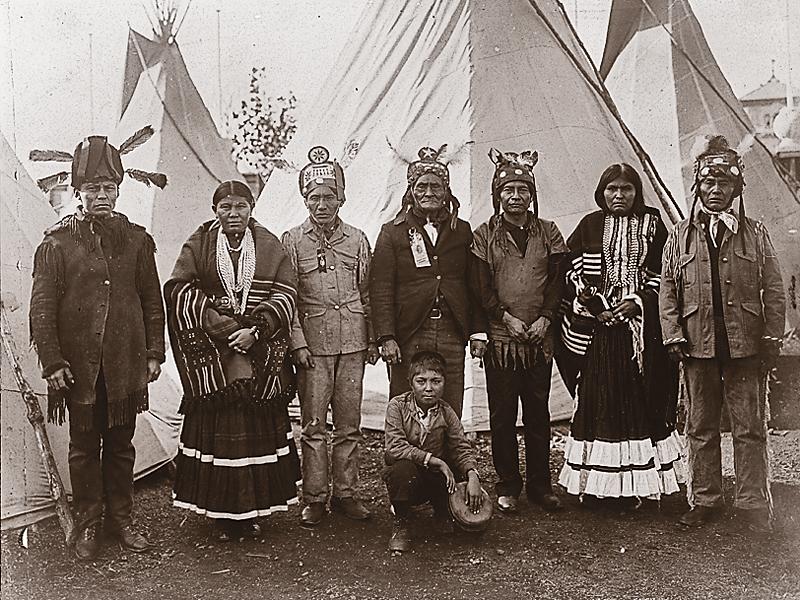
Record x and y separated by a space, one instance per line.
664 195
36 418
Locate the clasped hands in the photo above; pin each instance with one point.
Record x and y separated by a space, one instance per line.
626 309
472 493
533 334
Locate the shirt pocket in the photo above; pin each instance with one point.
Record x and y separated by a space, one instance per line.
752 320
688 269
309 278
350 271
744 273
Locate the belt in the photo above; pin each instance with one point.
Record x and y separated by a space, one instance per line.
439 310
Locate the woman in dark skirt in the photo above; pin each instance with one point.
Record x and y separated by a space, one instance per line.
230 302
622 441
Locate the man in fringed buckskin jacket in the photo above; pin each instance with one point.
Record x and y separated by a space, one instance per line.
97 323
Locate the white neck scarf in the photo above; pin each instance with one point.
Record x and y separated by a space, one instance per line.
728 218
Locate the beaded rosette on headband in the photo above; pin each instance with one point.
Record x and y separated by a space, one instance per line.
321 171
429 162
718 159
95 158
510 166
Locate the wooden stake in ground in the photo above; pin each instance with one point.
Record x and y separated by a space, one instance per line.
36 419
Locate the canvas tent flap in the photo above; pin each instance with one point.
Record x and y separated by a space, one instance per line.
671 92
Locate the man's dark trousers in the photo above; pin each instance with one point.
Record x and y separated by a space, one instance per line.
110 475
505 387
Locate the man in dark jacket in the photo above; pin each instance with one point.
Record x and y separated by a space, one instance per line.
518 271
419 279
722 307
97 323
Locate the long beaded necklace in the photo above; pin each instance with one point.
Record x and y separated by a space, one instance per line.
241 280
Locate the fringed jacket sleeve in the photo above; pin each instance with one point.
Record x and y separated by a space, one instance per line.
669 308
772 292
48 288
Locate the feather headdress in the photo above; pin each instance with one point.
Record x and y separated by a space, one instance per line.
95 157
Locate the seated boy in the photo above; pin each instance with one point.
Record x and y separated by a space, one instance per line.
421 432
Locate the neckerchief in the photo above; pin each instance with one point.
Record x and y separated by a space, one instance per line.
728 218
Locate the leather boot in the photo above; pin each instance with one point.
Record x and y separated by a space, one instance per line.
130 539
312 514
87 546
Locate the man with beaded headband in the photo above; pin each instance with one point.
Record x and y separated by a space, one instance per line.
97 323
722 310
517 271
332 337
419 284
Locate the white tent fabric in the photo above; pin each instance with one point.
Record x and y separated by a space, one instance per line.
159 91
474 74
25 492
671 92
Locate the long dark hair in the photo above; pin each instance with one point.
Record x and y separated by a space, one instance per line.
620 171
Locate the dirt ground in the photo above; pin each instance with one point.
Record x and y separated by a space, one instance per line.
578 553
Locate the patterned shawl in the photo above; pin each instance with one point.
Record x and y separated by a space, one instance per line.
194 291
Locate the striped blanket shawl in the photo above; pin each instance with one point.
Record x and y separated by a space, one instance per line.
198 324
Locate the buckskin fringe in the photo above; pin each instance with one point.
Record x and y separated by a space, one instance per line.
123 412
49 260
56 407
511 356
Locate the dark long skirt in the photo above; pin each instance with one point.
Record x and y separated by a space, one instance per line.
237 462
621 443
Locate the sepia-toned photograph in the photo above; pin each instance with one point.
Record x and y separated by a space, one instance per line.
400 299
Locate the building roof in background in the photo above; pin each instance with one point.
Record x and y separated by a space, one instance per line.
773 89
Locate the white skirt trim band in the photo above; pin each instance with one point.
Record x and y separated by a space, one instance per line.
625 468
252 514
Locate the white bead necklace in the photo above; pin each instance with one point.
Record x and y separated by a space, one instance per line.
237 281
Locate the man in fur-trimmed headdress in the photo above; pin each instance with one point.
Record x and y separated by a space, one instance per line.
722 309
517 268
419 285
97 324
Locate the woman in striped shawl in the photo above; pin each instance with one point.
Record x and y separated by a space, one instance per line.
230 302
622 441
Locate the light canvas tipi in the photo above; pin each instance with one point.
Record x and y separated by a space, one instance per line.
671 92
158 90
474 74
25 493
